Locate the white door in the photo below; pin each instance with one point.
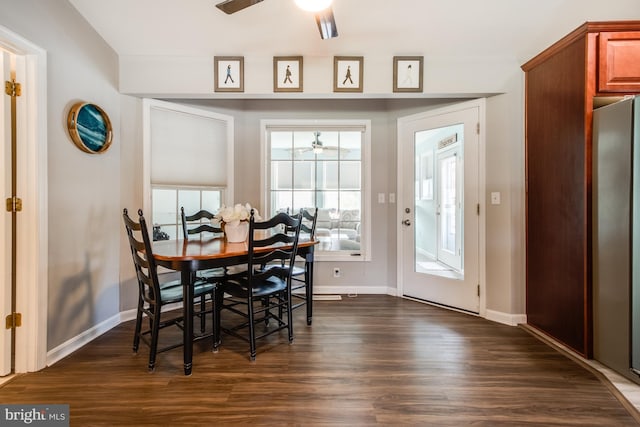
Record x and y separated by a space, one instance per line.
6 344
439 238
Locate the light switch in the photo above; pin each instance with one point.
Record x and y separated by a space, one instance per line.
392 197
380 197
495 197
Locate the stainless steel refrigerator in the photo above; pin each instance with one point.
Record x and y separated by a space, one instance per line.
616 236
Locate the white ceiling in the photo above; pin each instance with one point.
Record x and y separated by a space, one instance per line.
437 28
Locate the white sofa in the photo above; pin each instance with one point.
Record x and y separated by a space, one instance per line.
338 229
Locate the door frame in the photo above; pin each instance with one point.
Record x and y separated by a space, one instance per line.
32 256
402 123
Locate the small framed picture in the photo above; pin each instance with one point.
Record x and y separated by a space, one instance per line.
287 73
228 73
347 73
407 73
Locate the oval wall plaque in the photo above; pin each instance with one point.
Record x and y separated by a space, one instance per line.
89 127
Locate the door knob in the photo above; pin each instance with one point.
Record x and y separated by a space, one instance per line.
407 222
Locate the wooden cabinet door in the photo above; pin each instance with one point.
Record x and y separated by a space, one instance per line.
619 62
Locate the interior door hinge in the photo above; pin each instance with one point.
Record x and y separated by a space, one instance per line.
14 320
478 289
14 204
12 88
478 128
478 208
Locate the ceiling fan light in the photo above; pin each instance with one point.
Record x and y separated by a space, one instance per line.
313 5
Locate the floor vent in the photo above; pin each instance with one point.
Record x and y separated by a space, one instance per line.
327 298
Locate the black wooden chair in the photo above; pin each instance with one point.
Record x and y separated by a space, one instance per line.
262 295
299 274
191 225
152 294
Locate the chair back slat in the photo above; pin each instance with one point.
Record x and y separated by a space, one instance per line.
141 252
283 247
192 224
309 221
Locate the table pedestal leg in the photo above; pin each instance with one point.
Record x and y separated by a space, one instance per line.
309 290
187 311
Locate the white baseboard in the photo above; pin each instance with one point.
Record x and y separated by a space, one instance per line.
353 290
77 342
505 318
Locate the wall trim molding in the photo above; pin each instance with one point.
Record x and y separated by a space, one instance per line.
505 318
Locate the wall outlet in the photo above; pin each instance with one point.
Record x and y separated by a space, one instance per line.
336 272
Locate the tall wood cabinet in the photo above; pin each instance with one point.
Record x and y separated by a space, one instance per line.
596 61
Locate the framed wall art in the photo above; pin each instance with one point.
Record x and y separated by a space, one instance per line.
407 73
89 127
287 74
228 73
347 73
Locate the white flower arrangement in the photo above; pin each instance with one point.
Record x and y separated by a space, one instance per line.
233 215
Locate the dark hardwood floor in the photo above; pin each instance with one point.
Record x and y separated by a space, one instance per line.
366 360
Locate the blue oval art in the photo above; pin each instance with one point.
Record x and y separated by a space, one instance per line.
89 127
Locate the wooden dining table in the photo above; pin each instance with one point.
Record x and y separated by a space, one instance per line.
190 256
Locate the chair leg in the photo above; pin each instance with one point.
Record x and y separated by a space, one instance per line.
252 333
217 307
308 293
289 315
136 336
203 307
155 328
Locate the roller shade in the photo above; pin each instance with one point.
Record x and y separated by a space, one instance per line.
188 148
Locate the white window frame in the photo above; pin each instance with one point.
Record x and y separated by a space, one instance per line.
327 125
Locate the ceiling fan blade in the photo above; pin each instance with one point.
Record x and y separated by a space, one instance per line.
232 6
326 24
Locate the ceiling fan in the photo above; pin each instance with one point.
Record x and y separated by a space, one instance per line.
322 8
318 147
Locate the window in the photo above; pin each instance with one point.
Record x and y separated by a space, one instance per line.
166 203
188 156
323 166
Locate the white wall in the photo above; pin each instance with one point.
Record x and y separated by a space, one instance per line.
447 79
84 189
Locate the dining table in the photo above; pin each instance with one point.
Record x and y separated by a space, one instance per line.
192 255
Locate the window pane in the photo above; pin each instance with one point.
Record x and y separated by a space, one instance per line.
164 206
350 200
302 199
350 145
167 203
303 175
327 199
281 176
303 145
327 175
330 146
212 200
350 176
189 200
281 145
280 200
